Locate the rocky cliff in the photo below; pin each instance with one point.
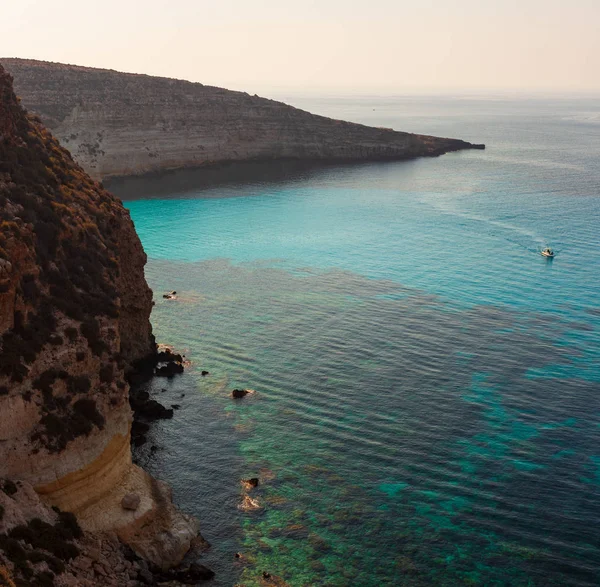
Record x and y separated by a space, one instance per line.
74 318
125 124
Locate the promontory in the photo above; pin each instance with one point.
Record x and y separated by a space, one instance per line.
119 124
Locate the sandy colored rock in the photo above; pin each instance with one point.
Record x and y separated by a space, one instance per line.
126 124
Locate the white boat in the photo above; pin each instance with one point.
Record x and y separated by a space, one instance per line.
547 252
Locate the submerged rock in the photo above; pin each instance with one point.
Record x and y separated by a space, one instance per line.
250 483
269 580
168 356
155 411
169 370
138 432
188 576
249 504
168 363
150 409
240 393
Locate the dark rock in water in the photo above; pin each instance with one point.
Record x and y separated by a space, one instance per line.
175 406
205 373
239 393
188 576
155 411
169 370
138 397
167 356
168 364
199 545
150 409
138 432
138 428
252 482
198 572
139 440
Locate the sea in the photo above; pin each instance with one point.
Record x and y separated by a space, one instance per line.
426 406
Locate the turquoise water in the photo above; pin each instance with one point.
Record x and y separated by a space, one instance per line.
426 408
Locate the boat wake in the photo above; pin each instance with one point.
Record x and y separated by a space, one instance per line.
497 228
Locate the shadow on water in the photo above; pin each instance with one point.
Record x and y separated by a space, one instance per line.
399 440
179 183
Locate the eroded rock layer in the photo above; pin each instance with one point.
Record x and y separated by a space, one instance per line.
74 318
119 124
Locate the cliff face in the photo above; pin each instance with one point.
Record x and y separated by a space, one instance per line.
74 317
126 124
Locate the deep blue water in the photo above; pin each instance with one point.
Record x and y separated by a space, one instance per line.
427 385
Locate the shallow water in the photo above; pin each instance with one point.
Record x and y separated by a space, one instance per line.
426 408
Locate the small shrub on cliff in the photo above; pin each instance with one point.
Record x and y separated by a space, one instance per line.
71 333
87 409
29 288
91 331
10 360
24 533
1 512
55 564
107 373
46 380
79 384
3 390
58 430
68 526
25 341
9 487
61 425
16 554
44 579
45 536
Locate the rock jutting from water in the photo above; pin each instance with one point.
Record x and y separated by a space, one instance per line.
120 124
74 322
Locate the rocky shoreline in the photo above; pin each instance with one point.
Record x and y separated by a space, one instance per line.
74 330
76 343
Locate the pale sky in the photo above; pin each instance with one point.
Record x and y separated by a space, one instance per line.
370 46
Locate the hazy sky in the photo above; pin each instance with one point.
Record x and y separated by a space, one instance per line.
367 46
